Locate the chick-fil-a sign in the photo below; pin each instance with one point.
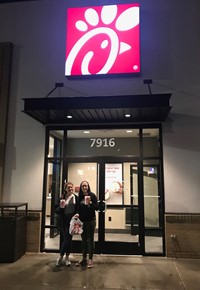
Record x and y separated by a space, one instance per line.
103 40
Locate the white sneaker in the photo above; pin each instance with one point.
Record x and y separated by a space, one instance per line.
59 262
67 262
90 264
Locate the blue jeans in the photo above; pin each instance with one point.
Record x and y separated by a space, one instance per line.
88 239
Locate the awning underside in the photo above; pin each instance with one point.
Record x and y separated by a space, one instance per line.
106 109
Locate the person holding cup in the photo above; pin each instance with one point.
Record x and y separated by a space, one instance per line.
68 207
87 207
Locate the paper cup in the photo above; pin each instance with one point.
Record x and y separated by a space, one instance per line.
87 199
62 203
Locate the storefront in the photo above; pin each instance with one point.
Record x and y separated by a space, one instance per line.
119 155
35 55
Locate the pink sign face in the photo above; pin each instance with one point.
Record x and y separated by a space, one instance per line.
103 40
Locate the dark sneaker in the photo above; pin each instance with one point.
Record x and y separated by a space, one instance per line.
82 263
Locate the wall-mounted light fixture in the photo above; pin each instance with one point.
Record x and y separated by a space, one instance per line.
148 82
57 85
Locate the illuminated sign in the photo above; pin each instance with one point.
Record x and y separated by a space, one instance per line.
103 40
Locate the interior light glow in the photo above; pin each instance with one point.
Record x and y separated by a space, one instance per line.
127 115
129 131
69 117
80 172
151 171
86 132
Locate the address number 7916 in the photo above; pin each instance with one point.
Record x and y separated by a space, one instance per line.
99 142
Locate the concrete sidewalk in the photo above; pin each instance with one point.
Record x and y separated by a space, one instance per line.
38 272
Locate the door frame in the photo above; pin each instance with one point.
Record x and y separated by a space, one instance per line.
97 159
108 247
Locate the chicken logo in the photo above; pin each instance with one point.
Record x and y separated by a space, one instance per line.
103 40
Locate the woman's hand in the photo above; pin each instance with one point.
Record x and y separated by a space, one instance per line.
76 216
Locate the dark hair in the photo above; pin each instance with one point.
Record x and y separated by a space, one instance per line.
81 194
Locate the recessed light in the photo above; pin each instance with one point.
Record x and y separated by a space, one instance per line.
127 115
69 117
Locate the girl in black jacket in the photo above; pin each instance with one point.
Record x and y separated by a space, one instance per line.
87 208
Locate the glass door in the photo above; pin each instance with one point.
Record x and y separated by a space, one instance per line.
118 209
117 219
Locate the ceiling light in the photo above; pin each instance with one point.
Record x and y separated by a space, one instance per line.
129 131
127 115
86 132
69 117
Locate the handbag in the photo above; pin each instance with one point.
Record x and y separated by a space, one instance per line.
76 226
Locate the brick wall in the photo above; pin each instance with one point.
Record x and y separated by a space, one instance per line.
182 235
33 231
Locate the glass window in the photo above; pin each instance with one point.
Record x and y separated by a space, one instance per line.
53 192
52 239
55 143
103 142
120 224
53 189
152 207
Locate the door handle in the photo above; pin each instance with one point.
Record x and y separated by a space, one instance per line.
105 207
103 204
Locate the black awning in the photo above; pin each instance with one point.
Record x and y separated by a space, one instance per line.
98 109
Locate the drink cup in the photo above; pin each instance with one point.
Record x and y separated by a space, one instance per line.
87 199
62 203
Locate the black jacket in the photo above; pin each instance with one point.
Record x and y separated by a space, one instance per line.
87 212
64 215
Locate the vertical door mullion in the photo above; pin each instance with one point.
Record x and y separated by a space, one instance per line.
141 194
101 233
42 241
